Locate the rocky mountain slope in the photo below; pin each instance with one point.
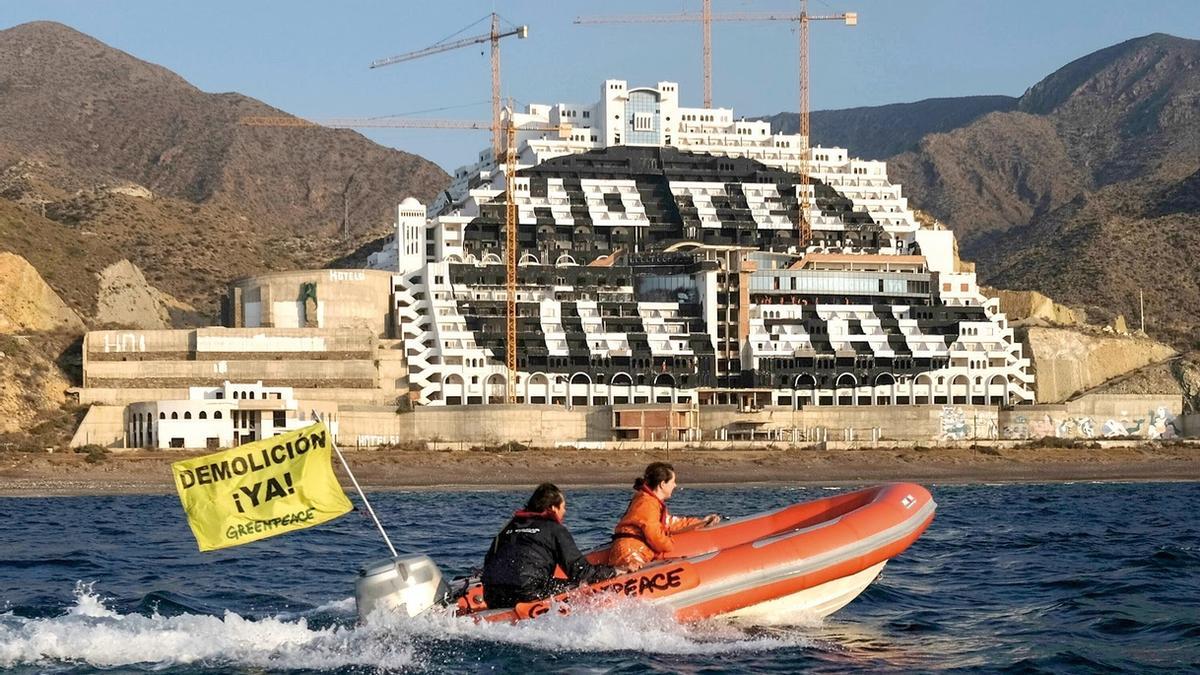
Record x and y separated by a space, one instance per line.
886 130
1086 188
126 152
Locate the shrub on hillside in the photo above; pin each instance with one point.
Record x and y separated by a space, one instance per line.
95 453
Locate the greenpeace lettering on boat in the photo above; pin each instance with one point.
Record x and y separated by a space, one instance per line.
676 578
647 585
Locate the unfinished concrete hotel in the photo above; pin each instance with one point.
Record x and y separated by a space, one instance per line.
660 263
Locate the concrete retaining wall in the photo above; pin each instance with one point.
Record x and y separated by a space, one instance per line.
305 396
1191 425
201 373
916 422
300 358
1097 417
482 425
1092 417
102 425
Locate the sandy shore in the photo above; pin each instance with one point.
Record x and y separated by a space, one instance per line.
148 472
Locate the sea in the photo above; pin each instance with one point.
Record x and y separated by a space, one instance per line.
1022 578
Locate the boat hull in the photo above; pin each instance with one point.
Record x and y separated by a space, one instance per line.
812 603
806 559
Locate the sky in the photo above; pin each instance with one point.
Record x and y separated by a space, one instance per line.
311 57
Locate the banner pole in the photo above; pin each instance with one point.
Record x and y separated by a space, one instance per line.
362 494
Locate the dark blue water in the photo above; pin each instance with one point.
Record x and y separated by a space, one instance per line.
1018 578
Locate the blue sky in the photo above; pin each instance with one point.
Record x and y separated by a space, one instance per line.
310 57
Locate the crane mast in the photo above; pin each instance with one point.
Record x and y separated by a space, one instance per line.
494 36
511 226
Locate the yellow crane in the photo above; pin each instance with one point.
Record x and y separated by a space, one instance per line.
511 224
494 36
706 17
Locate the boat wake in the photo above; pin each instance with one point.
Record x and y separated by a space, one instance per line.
91 633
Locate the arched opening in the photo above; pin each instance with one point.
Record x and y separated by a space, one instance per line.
663 389
580 389
174 415
923 389
496 389
960 389
620 388
537 389
805 387
997 390
203 415
844 392
217 415
453 389
885 385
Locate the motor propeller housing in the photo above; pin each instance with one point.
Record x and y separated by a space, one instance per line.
404 585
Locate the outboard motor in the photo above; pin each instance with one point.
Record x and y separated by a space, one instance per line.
405 585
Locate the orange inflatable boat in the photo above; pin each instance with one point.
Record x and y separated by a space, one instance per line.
807 559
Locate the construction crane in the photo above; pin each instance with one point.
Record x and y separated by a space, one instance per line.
494 36
511 223
706 17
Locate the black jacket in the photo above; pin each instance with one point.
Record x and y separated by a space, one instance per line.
519 566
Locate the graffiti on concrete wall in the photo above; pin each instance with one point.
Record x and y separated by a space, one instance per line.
124 342
1158 424
1164 425
1076 427
954 424
376 440
1019 429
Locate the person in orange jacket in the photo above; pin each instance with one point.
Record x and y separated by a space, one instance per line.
644 532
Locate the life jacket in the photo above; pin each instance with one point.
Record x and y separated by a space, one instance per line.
644 532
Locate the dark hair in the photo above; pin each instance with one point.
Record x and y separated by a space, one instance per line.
545 496
656 474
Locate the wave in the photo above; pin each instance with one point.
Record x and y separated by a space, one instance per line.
617 626
91 632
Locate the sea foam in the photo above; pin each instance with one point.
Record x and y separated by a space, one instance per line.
89 632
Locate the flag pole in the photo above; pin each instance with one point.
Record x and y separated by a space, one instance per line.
358 487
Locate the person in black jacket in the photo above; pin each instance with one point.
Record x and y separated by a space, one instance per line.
519 567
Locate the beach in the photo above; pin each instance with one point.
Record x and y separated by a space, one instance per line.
148 471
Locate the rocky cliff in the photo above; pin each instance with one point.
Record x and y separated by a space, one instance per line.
1066 362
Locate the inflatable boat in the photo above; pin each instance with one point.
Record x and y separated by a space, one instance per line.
808 559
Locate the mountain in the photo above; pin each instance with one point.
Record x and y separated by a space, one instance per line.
886 130
127 152
1086 188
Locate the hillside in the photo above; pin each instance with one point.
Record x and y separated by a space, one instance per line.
126 152
1087 189
886 130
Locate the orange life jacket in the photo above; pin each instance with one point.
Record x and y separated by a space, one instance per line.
644 532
